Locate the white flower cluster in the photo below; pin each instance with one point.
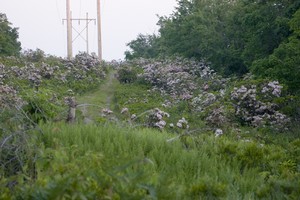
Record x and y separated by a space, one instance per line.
272 87
9 97
203 100
106 111
218 132
124 110
2 73
177 78
156 118
183 124
82 67
255 112
217 117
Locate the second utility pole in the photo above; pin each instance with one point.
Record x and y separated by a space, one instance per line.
69 31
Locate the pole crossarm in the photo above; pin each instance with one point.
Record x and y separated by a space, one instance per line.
79 33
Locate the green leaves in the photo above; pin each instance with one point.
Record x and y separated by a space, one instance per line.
9 44
229 34
144 46
284 63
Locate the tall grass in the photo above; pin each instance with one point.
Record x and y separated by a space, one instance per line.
116 162
176 171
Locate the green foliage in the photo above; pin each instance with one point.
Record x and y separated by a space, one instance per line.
67 173
145 46
229 34
136 98
284 63
37 55
42 104
209 189
115 162
9 44
127 75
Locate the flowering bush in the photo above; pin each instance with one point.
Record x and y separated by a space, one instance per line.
255 112
183 124
203 100
192 87
217 117
38 73
156 118
177 78
9 98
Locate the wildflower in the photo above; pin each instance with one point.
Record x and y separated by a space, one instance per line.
218 132
124 110
161 124
107 111
133 116
182 123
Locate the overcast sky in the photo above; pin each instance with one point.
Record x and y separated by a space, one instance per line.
40 23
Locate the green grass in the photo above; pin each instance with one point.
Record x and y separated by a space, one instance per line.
116 161
126 163
99 98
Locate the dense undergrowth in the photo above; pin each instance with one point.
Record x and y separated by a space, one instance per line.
172 129
115 162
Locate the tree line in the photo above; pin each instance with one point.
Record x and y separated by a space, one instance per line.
9 44
235 36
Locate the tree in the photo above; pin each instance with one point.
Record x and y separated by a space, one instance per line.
9 44
230 34
284 63
144 46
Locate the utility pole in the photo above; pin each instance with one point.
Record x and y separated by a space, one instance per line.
70 39
69 31
87 32
99 30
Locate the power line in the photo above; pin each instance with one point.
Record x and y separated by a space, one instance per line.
69 20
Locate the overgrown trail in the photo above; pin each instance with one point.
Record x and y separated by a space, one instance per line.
92 103
109 89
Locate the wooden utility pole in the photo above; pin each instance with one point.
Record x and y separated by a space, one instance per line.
99 30
69 31
87 33
70 39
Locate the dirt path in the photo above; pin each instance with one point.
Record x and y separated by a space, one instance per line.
93 102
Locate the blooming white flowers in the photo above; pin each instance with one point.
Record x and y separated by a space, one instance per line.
274 87
107 111
155 118
133 116
182 123
124 110
257 112
218 132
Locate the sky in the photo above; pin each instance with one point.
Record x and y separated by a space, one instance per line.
40 23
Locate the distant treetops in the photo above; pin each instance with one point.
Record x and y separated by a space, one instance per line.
9 44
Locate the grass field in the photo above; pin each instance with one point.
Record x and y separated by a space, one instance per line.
115 162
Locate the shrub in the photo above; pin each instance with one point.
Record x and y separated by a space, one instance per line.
126 75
